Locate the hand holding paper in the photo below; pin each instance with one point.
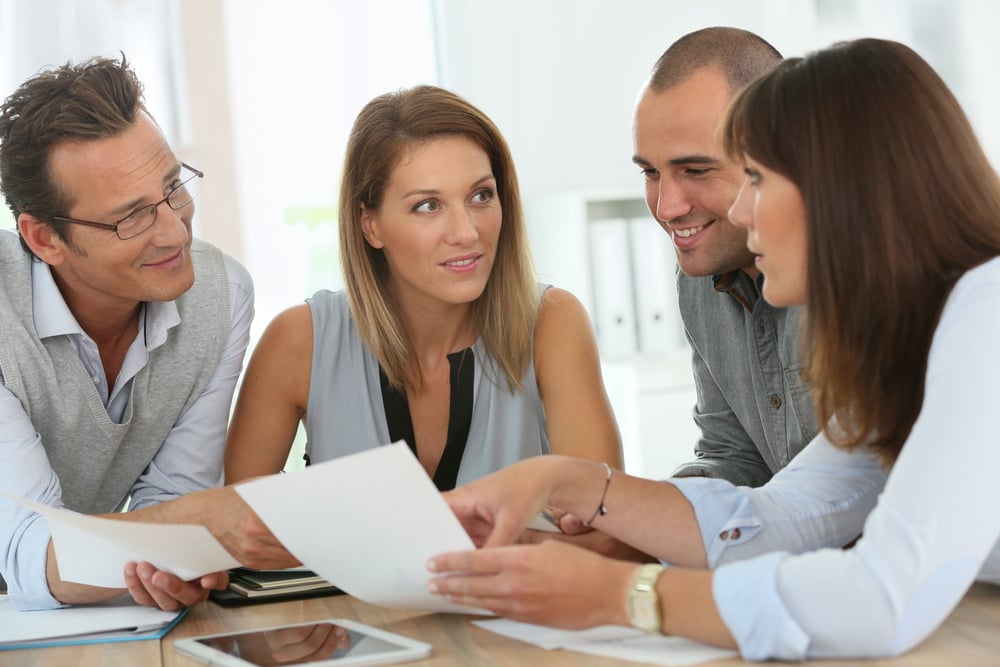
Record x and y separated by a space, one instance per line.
94 550
367 523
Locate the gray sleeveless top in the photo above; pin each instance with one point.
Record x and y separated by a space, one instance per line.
346 413
98 461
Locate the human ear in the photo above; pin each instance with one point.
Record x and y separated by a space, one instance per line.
369 228
42 239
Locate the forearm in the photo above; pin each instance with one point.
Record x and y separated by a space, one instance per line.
651 516
688 607
230 520
68 592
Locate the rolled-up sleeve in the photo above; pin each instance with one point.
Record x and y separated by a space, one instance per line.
820 499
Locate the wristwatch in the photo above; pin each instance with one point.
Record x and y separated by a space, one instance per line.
643 603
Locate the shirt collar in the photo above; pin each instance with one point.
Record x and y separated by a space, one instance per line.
740 286
54 318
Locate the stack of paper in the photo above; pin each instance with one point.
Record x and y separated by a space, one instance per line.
114 621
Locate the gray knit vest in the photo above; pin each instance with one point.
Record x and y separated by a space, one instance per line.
97 460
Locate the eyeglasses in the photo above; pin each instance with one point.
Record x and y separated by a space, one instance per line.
188 184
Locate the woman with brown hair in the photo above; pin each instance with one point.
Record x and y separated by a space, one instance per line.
869 200
443 337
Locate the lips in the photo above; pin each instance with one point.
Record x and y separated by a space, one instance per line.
686 237
463 263
167 261
691 231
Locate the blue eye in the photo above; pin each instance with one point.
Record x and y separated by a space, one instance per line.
752 174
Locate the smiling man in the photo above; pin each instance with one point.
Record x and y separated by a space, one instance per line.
753 407
121 337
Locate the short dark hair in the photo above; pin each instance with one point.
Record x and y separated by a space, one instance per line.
740 55
95 99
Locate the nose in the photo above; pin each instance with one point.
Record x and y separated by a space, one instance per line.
172 227
671 200
461 229
741 210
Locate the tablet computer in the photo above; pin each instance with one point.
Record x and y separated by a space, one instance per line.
335 642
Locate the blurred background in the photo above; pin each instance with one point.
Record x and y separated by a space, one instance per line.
261 96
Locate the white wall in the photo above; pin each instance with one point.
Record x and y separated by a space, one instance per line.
297 74
559 77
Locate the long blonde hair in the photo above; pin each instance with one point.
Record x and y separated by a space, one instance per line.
504 315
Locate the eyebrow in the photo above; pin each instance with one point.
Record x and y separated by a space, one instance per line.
135 204
678 161
411 193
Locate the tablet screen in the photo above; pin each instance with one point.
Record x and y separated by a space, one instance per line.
302 645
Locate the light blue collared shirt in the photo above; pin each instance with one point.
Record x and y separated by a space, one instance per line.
189 460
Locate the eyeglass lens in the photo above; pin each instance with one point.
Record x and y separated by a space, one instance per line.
143 218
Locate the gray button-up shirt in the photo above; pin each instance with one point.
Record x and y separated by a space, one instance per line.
753 406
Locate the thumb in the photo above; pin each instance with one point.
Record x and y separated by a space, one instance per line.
505 531
573 525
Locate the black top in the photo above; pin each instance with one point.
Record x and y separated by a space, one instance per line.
397 416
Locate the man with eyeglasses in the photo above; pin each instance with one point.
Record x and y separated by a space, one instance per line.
121 337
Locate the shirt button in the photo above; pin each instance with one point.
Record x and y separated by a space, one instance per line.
96 379
724 535
775 401
735 535
761 328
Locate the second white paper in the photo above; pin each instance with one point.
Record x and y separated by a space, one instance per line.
94 550
367 523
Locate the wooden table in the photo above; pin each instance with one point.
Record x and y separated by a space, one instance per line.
970 637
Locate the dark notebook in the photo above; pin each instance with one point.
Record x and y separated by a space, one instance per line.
248 586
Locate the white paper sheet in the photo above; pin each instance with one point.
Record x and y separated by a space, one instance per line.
367 523
94 550
112 621
611 641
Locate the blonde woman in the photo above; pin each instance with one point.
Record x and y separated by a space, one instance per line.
443 337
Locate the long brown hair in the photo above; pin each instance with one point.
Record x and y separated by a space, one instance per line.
900 201
505 314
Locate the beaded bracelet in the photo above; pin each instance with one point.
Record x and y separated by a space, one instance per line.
601 507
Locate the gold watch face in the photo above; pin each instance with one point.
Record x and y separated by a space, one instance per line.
643 602
644 612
